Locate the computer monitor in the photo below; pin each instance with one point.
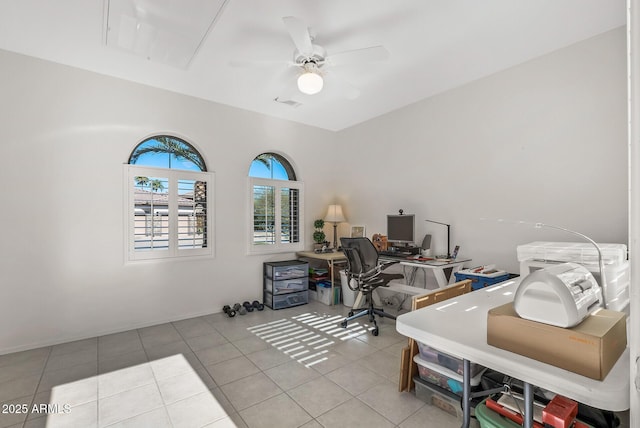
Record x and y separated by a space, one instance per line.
401 228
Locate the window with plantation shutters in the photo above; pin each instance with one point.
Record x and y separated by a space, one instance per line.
169 205
275 206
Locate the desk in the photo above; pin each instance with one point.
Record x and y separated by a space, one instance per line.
330 258
459 327
437 267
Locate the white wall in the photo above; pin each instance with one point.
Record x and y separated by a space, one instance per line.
633 15
541 142
66 135
545 141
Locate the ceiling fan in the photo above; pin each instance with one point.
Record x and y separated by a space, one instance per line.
312 62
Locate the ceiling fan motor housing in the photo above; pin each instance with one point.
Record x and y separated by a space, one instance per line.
317 56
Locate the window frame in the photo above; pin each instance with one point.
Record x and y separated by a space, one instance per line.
173 175
278 246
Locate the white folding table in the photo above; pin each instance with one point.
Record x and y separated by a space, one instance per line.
436 266
459 327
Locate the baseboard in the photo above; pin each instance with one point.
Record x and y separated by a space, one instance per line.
60 340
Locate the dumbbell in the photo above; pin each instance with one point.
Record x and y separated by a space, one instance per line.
248 306
257 305
240 309
230 312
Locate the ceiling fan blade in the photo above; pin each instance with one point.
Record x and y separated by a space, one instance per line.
341 88
299 34
357 56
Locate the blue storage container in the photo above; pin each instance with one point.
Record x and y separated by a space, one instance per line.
480 281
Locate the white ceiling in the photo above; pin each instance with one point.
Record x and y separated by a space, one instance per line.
434 45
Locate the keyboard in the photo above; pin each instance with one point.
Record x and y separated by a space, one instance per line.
394 253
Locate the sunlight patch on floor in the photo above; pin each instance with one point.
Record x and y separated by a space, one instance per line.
307 337
133 395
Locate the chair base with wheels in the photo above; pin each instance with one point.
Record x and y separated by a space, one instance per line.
363 267
371 312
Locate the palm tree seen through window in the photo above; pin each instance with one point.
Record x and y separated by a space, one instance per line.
170 213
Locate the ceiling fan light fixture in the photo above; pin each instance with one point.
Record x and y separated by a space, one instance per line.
310 82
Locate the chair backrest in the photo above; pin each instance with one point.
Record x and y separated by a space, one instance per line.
361 254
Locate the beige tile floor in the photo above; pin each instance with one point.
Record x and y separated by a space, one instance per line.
288 368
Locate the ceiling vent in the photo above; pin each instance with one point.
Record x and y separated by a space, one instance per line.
166 31
291 103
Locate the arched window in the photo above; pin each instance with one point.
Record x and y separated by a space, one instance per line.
165 151
273 166
276 205
169 202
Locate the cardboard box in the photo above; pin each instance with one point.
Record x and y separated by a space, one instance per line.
591 348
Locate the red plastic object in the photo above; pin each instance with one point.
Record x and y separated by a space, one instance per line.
560 412
508 413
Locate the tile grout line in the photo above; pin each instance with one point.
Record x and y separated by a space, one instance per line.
195 355
155 379
35 392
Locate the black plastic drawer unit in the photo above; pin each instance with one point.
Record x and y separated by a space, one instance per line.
286 284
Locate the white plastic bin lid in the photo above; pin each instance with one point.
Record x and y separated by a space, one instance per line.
475 380
577 252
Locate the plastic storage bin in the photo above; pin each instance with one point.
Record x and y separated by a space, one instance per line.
618 281
479 281
583 253
286 270
323 293
281 301
449 403
443 377
433 356
286 285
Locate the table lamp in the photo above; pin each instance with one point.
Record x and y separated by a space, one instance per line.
448 235
335 216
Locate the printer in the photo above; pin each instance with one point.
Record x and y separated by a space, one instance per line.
561 295
616 290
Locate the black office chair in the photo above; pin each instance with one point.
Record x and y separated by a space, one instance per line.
363 266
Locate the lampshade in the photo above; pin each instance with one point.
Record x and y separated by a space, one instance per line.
310 82
334 214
